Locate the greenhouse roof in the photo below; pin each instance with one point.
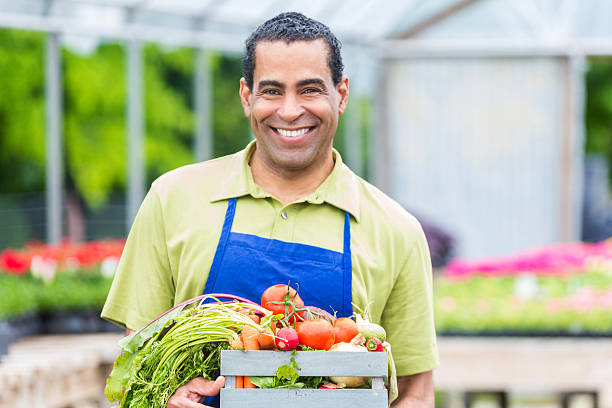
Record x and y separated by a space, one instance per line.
501 27
585 25
218 24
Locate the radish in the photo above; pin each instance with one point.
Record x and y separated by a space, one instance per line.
286 339
373 344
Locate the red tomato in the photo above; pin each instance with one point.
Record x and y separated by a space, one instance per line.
316 333
344 330
277 293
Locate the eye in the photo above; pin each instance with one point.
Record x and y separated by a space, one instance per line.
311 90
270 91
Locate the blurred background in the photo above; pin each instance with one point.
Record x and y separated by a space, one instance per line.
490 120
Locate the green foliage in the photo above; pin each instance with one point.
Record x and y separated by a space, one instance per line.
362 109
70 291
202 360
287 376
22 111
599 108
94 123
95 110
170 121
570 304
231 129
94 103
21 295
18 296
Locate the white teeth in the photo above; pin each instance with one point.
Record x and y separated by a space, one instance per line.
292 133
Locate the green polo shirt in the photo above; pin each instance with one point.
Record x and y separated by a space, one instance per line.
171 245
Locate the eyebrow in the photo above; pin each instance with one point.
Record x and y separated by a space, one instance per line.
303 82
311 81
267 82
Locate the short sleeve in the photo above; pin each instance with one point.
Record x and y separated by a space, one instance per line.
408 314
143 287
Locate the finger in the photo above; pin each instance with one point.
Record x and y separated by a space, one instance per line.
184 402
206 387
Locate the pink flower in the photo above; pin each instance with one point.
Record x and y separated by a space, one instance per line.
605 300
482 306
448 304
584 300
516 303
552 260
554 305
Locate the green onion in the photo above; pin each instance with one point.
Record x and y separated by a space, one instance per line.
181 344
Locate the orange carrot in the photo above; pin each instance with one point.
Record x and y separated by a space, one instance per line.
237 344
254 318
248 383
266 339
249 338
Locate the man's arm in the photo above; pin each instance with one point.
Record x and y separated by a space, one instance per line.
415 391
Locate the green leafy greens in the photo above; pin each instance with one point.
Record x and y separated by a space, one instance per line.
173 349
287 376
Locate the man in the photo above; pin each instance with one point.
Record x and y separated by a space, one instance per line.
286 209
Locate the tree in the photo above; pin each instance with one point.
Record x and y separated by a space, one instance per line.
599 109
94 101
22 112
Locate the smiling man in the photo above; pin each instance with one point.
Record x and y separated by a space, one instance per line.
285 209
293 106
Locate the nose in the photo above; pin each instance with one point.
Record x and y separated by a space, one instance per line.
290 108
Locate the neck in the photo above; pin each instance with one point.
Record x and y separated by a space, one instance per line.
286 185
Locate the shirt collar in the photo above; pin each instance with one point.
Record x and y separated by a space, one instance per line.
340 188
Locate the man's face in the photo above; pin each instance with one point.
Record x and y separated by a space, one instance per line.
294 104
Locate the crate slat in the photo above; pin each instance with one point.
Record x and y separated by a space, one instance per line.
311 363
298 398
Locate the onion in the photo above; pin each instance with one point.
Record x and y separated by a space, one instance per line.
369 329
348 382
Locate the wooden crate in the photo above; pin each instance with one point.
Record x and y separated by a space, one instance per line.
311 363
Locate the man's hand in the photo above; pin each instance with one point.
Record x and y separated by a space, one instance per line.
190 394
415 391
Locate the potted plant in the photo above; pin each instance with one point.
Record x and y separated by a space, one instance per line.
18 309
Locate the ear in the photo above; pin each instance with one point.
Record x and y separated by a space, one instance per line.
343 91
245 97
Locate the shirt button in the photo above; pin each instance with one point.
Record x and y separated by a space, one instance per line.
284 215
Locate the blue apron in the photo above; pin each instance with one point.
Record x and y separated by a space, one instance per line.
246 265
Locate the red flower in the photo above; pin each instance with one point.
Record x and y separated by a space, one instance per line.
67 254
13 262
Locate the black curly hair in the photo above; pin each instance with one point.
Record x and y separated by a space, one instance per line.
289 27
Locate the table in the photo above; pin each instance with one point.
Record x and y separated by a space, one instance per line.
57 371
557 365
60 371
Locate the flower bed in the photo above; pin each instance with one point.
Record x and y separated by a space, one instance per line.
556 290
55 288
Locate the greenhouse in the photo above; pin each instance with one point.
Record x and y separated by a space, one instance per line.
487 120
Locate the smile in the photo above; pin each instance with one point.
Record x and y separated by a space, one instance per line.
292 133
